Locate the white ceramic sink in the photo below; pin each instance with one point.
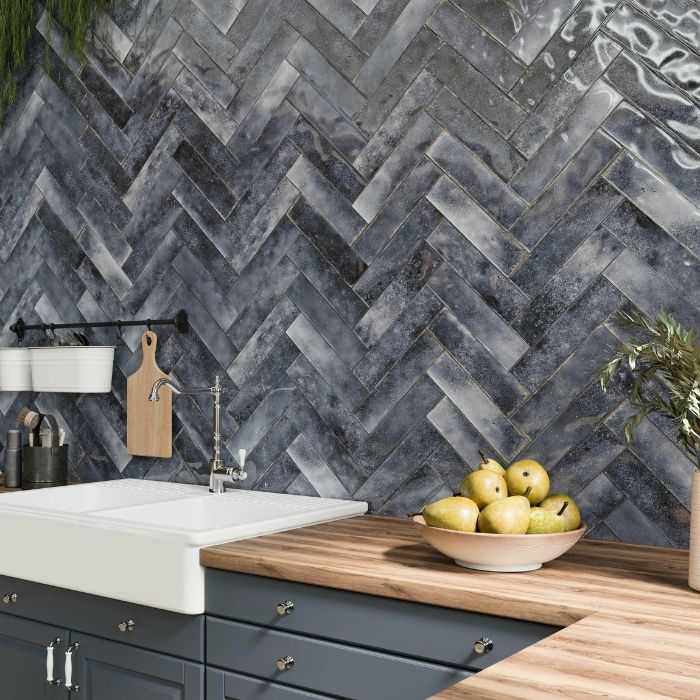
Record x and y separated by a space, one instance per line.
138 540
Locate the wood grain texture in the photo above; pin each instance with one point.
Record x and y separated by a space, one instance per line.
694 570
632 624
149 424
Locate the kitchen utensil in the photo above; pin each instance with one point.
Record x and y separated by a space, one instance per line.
487 552
45 466
28 419
149 424
13 459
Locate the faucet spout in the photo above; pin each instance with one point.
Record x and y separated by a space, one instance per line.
158 384
218 472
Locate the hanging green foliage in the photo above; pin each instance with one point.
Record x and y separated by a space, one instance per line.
71 17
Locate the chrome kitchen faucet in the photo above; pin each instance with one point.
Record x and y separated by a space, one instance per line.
218 472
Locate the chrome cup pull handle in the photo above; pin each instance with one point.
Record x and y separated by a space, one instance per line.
49 662
69 668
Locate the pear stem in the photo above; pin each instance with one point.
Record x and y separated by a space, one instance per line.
412 515
527 491
563 508
482 455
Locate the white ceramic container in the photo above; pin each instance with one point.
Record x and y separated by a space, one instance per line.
15 371
508 553
84 370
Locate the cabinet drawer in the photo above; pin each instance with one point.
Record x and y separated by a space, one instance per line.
159 630
321 666
424 631
233 686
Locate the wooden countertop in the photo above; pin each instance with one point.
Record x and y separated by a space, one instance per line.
632 624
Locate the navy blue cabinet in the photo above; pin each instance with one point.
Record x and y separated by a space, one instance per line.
24 648
111 671
261 639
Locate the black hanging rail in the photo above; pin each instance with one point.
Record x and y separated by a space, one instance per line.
179 321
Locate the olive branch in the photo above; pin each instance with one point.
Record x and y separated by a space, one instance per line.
665 361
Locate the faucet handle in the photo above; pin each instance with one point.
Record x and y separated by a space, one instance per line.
241 457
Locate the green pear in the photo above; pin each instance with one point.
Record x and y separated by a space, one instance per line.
565 508
544 522
483 487
507 516
452 513
491 464
528 472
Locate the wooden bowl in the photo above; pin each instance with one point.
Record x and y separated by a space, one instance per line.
506 553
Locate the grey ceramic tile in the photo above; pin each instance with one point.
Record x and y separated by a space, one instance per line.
478 93
646 290
574 276
476 406
496 16
656 97
205 69
590 161
321 74
473 223
328 364
579 370
552 251
404 73
397 164
403 375
573 134
484 323
476 135
404 199
488 56
541 27
344 136
574 83
661 252
564 336
398 295
657 199
482 184
493 286
676 163
326 199
393 44
387 136
503 389
326 321
561 51
657 47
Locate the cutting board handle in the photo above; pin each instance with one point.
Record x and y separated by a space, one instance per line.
149 341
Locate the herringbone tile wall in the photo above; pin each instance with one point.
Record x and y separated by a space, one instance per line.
401 228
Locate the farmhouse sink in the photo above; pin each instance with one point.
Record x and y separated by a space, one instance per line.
139 541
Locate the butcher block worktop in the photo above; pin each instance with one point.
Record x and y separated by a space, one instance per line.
632 624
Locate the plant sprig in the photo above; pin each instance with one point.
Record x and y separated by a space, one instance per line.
17 20
667 355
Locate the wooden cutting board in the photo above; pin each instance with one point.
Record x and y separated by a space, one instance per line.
149 424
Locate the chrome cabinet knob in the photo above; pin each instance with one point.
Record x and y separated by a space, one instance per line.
285 608
483 645
10 598
285 663
127 626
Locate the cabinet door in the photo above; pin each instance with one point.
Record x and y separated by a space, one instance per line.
233 686
111 671
23 659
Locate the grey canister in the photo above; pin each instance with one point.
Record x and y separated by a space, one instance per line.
43 467
12 469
